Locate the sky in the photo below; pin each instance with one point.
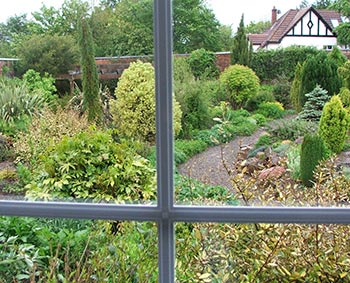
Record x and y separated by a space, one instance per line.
228 12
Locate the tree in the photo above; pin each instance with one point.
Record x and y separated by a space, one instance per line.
319 70
202 63
344 72
295 89
343 30
91 92
242 49
51 54
257 27
322 4
240 83
337 56
315 101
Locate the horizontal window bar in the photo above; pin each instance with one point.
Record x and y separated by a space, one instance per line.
308 215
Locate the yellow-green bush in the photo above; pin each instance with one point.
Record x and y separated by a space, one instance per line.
134 108
240 83
46 129
334 124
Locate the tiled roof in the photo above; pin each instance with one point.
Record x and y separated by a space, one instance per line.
283 25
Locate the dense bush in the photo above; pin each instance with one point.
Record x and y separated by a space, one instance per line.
240 83
91 165
281 90
269 64
272 110
313 150
185 149
195 106
334 124
265 94
293 129
134 108
47 129
182 71
344 95
344 73
315 101
202 63
319 70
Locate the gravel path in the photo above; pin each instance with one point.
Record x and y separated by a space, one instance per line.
207 167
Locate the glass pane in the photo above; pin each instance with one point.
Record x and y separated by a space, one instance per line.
47 250
262 253
80 138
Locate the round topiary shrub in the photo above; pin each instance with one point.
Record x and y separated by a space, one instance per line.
334 124
240 83
313 150
92 166
134 109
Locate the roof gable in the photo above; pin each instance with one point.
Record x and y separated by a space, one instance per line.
303 22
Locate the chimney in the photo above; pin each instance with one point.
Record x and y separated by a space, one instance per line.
274 15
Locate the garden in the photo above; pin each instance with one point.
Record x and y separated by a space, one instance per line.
62 148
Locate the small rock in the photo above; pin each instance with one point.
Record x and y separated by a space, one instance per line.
271 173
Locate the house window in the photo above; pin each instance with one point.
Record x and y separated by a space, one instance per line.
166 214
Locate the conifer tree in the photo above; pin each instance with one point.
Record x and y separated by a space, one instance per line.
295 89
91 92
242 49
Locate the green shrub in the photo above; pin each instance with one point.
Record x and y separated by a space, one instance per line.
315 101
270 64
344 73
259 118
272 110
182 71
313 150
5 148
295 89
281 90
319 70
91 165
344 95
185 149
293 161
195 104
262 96
42 85
293 129
202 63
240 83
263 140
334 124
133 110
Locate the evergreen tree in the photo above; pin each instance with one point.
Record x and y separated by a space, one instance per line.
313 150
319 70
334 124
344 72
295 89
242 49
337 56
315 101
91 92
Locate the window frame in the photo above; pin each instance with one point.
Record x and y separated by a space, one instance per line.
166 213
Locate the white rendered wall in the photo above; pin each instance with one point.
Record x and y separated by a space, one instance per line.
318 42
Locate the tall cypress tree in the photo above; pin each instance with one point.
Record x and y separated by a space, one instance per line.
242 49
91 93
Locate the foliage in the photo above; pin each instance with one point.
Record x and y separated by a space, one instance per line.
5 147
47 53
91 102
185 149
240 83
44 86
319 70
334 124
134 109
295 89
47 129
202 63
269 64
91 165
343 34
16 102
293 129
337 56
195 102
272 110
257 27
314 104
344 95
270 252
242 49
313 150
281 90
344 73
182 71
263 95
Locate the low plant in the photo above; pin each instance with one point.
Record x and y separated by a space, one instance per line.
185 149
273 110
292 130
92 166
